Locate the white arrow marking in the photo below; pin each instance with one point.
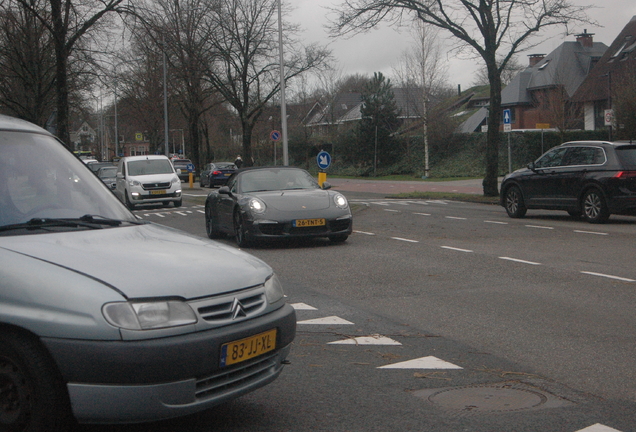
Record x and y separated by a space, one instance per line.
598 428
429 362
302 306
368 340
326 321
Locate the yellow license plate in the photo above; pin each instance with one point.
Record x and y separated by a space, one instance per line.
245 349
157 192
299 223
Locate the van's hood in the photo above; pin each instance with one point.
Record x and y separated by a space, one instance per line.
146 260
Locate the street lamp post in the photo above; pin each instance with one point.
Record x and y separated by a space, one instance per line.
283 107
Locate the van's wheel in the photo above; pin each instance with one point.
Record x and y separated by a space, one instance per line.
178 203
130 205
33 396
594 207
513 202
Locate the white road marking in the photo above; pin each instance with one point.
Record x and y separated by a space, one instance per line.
405 240
302 306
598 428
496 222
590 232
391 210
456 249
455 217
326 321
609 276
429 362
367 340
540 227
364 232
519 261
180 213
422 214
201 211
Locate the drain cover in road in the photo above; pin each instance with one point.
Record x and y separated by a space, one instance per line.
491 398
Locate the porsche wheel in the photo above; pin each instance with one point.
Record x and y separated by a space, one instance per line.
239 230
211 226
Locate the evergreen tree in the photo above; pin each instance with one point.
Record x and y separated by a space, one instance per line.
377 148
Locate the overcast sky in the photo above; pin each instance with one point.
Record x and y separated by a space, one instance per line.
381 49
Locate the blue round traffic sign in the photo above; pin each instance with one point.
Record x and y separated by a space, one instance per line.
275 135
323 159
190 167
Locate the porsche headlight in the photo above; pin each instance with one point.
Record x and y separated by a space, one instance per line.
257 206
149 315
341 201
273 289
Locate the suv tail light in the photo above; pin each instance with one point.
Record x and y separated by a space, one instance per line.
625 175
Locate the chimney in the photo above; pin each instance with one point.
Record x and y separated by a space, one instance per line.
585 39
535 58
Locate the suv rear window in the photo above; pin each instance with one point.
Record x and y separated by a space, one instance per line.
627 156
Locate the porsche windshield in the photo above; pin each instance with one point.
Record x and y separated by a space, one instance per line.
40 179
276 179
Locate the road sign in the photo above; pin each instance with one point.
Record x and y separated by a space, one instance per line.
506 116
190 167
139 136
323 159
507 127
275 135
609 117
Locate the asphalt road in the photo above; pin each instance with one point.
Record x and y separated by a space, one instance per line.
445 316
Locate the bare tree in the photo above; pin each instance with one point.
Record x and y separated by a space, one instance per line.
68 22
185 31
624 104
246 71
493 29
513 67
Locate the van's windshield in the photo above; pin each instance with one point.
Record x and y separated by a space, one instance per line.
149 167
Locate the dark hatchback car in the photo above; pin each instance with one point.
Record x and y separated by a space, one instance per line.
216 173
182 164
593 179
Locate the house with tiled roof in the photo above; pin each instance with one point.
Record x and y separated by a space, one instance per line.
617 67
540 96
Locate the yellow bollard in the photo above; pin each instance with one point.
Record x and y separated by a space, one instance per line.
322 177
191 179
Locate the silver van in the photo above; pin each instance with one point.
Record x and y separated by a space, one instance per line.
99 320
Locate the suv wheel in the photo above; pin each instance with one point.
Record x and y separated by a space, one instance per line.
513 201
594 207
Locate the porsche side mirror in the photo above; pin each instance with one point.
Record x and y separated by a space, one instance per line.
224 190
326 185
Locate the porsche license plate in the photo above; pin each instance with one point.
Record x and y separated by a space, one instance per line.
299 223
245 349
158 192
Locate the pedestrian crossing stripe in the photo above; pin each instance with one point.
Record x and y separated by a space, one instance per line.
429 362
302 306
598 428
326 321
368 340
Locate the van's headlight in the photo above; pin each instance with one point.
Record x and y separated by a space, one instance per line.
149 314
134 183
273 289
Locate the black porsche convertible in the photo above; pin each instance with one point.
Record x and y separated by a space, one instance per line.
261 203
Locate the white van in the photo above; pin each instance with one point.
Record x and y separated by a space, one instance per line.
147 179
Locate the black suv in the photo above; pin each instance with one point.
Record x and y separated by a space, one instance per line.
592 179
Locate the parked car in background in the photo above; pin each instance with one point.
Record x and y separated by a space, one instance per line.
108 175
264 203
149 179
95 166
182 164
216 173
593 179
99 320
